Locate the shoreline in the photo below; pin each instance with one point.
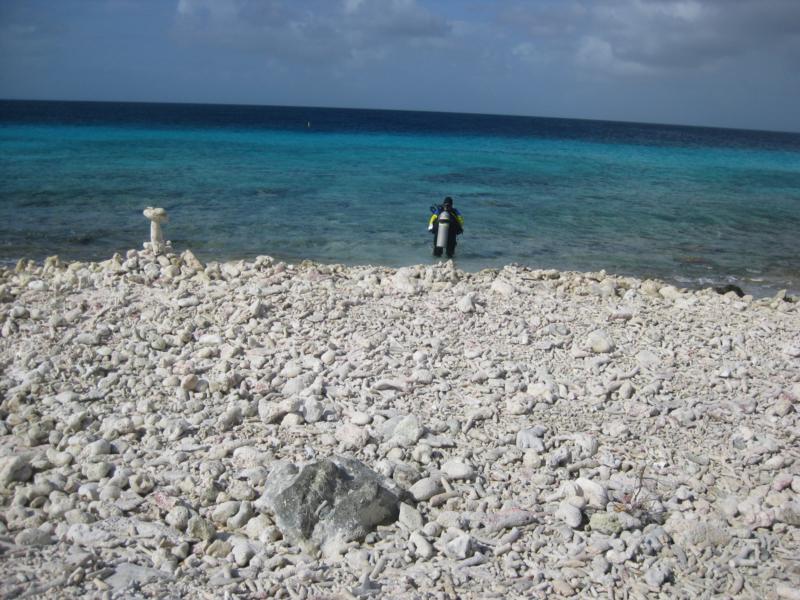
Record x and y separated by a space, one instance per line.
526 432
756 287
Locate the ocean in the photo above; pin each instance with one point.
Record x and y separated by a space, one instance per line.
694 206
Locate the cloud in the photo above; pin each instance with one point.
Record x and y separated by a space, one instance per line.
638 37
25 35
316 32
654 35
598 54
401 18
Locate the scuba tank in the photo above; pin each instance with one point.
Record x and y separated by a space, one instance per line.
443 231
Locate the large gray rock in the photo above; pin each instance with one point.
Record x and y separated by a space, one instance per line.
329 502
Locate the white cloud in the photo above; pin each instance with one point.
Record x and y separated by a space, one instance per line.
635 37
597 54
530 53
685 11
215 9
311 32
351 6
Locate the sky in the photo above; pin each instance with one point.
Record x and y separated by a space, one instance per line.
728 63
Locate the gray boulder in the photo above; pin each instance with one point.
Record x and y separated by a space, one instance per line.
330 502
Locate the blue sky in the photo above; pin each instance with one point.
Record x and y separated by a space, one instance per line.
733 63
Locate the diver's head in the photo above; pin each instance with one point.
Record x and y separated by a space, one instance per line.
448 202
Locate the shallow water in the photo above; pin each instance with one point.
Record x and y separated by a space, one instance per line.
692 205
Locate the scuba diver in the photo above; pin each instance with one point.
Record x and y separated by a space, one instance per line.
445 224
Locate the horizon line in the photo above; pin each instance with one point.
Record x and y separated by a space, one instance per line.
460 112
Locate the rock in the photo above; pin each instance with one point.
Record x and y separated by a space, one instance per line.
96 471
605 522
33 537
271 411
532 459
426 488
605 289
789 513
787 591
242 553
404 282
563 588
456 470
559 457
14 469
405 475
530 439
201 529
219 548
503 288
700 534
569 514
230 419
313 410
406 432
67 397
178 517
225 511
128 576
258 527
126 500
143 397
389 385
615 429
141 483
88 535
190 260
410 517
348 500
460 547
657 575
670 292
297 385
360 418
97 448
594 492
352 437
466 304
242 516
175 429
521 404
600 342
59 459
422 376
725 289
421 546
87 339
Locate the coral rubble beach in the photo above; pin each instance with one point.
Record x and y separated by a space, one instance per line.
521 433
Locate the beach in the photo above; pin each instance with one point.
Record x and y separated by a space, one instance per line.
257 429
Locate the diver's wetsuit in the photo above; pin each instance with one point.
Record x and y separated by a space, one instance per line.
456 228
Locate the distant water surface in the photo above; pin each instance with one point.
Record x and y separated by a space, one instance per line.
696 206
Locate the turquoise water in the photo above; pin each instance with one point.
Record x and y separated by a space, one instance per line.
689 205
